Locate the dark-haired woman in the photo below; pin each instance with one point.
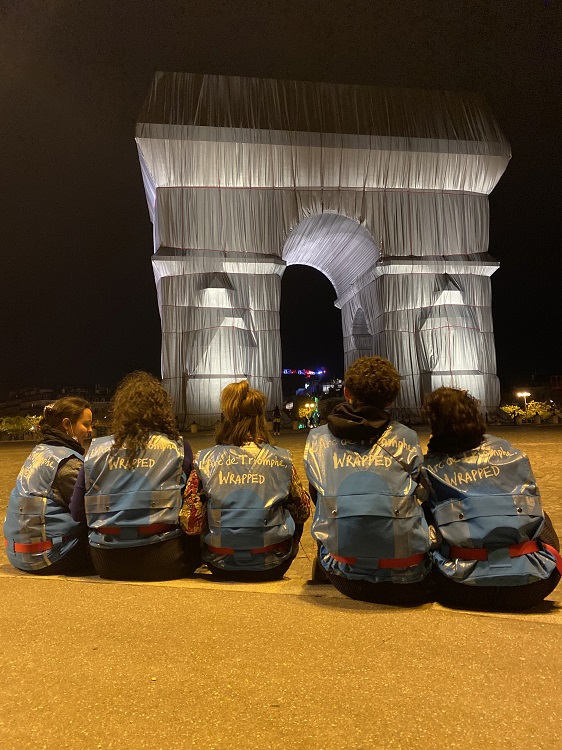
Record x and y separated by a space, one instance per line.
131 489
497 548
40 535
363 469
244 495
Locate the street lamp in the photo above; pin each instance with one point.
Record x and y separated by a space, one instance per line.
523 395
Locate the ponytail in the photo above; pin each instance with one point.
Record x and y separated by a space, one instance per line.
244 416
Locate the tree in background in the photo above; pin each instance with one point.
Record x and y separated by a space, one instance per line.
17 428
545 410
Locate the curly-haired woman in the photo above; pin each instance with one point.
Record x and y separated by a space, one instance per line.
131 488
244 495
39 533
497 548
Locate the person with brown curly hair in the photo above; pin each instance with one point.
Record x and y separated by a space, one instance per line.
363 470
244 495
131 488
39 533
496 549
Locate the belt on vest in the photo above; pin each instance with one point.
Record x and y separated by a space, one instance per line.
35 546
278 547
152 528
515 550
388 562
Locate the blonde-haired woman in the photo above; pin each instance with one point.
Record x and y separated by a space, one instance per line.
244 495
39 533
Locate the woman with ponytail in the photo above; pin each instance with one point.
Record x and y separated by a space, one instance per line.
39 533
244 495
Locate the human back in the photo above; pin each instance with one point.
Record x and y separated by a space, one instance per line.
363 468
40 534
246 485
133 482
487 510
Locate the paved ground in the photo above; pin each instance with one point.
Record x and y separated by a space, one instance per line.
194 664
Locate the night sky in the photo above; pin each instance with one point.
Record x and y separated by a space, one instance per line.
78 303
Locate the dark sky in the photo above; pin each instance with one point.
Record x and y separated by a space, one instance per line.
78 303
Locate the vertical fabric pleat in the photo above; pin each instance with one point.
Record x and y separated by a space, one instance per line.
384 191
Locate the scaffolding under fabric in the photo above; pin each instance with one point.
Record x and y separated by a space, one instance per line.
383 190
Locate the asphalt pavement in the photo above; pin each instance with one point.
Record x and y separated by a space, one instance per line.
91 664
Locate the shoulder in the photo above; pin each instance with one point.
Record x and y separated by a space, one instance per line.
98 446
107 440
406 433
278 451
318 433
159 441
70 466
59 453
209 455
499 449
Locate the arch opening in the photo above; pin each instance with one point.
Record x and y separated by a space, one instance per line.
325 254
340 247
311 330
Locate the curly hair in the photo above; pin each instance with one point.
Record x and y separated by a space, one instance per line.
140 406
68 407
455 420
243 420
372 381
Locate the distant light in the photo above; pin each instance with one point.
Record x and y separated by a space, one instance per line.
304 371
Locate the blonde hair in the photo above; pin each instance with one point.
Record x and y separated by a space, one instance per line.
243 416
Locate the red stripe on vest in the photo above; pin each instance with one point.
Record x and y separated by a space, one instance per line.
389 562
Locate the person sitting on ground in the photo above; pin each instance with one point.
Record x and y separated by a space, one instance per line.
497 548
131 488
363 470
244 495
39 533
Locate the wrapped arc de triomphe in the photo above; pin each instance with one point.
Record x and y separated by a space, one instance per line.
385 191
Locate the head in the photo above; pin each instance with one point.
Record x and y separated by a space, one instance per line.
371 381
71 415
140 406
454 414
244 415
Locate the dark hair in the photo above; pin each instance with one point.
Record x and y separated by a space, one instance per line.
455 421
372 381
244 419
68 407
140 406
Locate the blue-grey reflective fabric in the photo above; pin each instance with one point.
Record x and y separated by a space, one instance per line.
33 514
487 498
366 507
149 492
246 488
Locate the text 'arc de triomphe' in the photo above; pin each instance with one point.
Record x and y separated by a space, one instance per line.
383 190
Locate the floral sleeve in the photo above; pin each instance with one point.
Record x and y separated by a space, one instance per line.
298 502
193 513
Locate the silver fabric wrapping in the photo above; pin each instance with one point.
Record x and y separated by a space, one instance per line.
384 191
